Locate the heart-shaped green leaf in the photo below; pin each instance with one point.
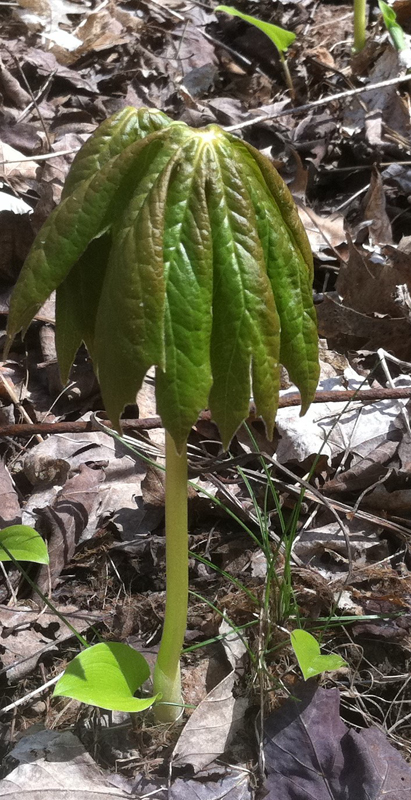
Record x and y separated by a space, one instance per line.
24 543
279 36
180 249
310 660
107 675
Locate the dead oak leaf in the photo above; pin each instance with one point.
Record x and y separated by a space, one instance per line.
310 753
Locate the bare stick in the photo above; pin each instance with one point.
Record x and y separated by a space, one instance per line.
151 423
323 101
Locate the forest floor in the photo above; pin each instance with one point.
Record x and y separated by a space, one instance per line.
309 531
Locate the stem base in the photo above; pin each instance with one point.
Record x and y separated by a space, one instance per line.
170 688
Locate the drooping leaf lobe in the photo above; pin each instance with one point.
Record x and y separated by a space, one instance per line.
181 249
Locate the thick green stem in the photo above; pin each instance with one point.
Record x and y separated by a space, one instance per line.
167 670
359 25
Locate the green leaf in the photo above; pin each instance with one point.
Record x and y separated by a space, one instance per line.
80 217
289 265
388 13
310 660
111 138
246 329
24 543
183 387
129 336
280 37
393 27
106 675
77 300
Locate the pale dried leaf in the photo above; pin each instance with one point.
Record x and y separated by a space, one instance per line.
358 431
55 766
27 634
211 726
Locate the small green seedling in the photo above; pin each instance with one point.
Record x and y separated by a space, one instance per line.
399 39
308 654
183 249
281 38
22 543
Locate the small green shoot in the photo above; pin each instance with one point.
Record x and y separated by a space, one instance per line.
394 29
308 654
24 544
107 675
281 38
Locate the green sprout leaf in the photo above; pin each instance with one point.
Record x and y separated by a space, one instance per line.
107 675
280 37
24 544
310 660
178 248
394 29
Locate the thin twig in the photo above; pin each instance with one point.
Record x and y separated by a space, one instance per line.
29 696
323 101
37 97
33 98
43 157
10 389
151 423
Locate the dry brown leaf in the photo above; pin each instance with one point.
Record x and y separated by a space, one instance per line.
323 232
17 173
368 285
211 726
47 17
375 210
56 766
66 520
343 327
10 513
394 111
26 634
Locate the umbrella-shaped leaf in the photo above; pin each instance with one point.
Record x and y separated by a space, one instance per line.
129 335
184 251
309 657
24 544
107 675
77 300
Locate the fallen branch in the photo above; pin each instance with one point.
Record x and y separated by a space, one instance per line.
151 423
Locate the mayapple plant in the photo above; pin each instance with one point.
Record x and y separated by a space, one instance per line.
183 249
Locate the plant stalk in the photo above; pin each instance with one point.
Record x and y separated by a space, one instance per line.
167 669
359 25
287 74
